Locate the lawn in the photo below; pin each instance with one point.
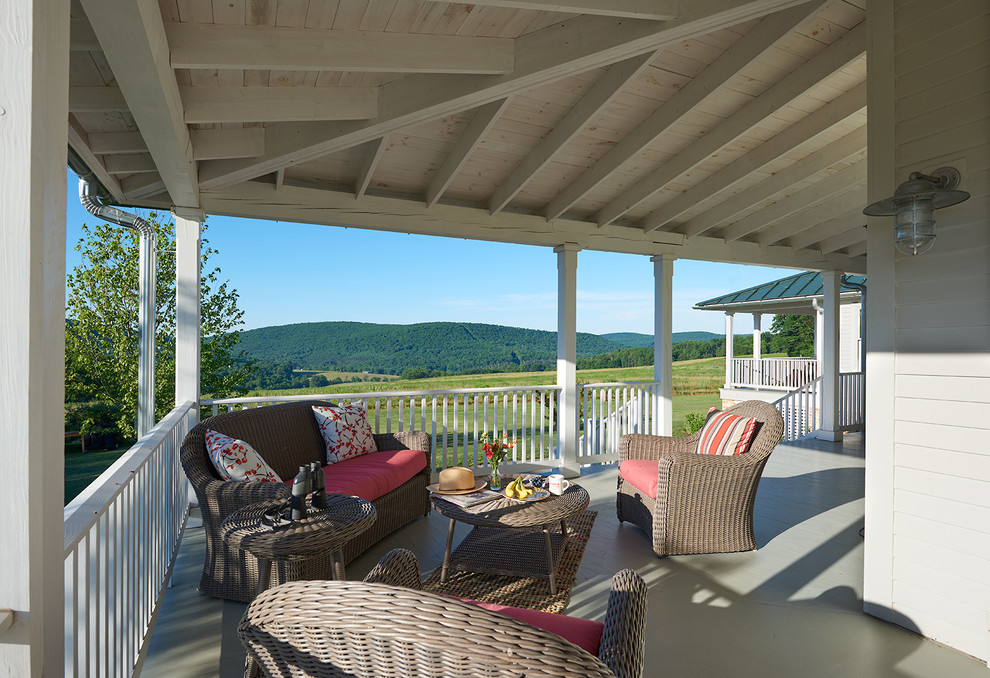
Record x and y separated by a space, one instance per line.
82 469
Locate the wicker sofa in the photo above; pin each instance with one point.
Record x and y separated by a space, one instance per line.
387 626
286 436
703 503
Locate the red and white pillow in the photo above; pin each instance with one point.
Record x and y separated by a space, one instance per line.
236 460
726 434
345 430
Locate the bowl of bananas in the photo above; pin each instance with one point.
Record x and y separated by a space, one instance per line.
519 491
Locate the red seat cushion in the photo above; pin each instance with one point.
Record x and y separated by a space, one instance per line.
641 474
584 633
372 475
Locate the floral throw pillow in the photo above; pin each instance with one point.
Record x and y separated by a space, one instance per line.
345 430
236 460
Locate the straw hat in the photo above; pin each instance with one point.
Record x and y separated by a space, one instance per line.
457 480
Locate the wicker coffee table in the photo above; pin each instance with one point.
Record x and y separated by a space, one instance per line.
319 533
506 537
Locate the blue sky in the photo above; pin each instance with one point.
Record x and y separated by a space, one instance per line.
291 273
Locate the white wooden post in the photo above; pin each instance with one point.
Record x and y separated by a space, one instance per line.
34 105
567 357
829 429
757 348
187 319
663 353
728 348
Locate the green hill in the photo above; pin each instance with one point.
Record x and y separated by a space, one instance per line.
639 340
392 349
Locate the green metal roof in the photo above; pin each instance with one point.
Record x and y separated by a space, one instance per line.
807 284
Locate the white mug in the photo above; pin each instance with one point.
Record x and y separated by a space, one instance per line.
557 484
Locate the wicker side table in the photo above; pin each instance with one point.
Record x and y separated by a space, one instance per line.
319 533
506 536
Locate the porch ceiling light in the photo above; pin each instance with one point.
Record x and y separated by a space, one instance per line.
913 207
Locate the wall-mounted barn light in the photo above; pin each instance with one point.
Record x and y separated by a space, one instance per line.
913 207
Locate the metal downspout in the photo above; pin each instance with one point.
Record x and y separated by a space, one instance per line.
146 296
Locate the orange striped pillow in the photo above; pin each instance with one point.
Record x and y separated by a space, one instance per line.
726 434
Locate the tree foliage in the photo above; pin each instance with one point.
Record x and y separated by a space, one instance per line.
793 335
101 338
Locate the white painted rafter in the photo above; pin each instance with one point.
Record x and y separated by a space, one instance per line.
763 220
336 208
544 56
853 236
278 104
133 40
79 141
214 144
756 42
117 142
656 10
846 147
808 75
787 140
482 121
130 164
371 158
594 100
841 222
96 100
202 46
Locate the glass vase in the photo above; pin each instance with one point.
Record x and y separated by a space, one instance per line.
496 481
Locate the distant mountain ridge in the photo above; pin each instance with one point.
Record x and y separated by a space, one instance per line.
638 340
392 349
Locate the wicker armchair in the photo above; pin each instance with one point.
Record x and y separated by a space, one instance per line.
287 436
704 503
385 626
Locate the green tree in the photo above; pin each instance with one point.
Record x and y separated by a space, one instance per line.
793 334
101 337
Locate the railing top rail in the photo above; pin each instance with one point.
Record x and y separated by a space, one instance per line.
375 394
619 383
810 386
83 511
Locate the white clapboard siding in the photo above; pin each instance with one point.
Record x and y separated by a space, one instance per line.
940 499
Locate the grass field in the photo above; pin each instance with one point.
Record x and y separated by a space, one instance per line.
695 385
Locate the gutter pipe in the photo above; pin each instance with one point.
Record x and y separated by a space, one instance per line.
88 196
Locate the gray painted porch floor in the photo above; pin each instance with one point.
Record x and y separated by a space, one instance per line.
791 608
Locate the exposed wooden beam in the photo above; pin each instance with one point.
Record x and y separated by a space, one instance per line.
857 250
79 142
134 43
96 100
142 185
846 147
543 56
482 121
82 38
656 10
102 143
278 104
279 179
758 41
840 241
800 132
838 200
829 227
336 208
368 165
840 182
832 58
214 144
130 164
305 49
594 100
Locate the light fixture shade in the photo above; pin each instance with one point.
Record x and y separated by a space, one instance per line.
913 207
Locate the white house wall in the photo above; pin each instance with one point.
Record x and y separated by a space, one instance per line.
928 452
849 337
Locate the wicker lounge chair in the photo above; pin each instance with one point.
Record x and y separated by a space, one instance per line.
386 627
704 503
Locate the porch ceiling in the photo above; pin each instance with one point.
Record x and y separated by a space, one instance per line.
711 129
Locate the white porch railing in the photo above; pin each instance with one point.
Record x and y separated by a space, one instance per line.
121 538
783 374
852 401
610 411
456 419
801 410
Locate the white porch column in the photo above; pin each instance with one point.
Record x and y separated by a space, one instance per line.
34 106
567 357
830 357
729 334
663 352
187 320
757 348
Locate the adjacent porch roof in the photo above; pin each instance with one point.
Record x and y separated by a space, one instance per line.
716 129
792 294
